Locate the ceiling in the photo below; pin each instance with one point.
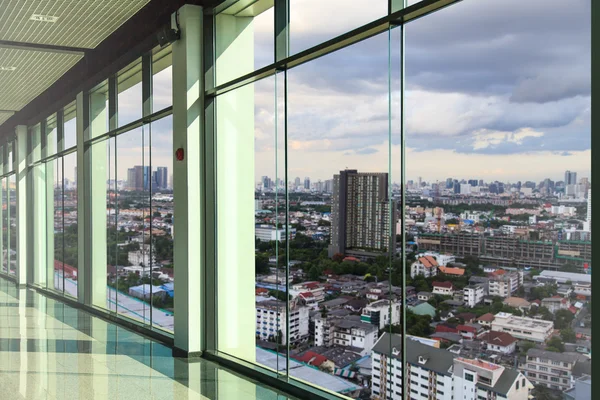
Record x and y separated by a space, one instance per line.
34 54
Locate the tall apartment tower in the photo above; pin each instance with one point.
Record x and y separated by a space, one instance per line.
570 178
587 225
361 222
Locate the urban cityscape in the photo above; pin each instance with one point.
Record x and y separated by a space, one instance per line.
498 283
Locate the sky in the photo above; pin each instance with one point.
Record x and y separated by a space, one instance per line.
495 90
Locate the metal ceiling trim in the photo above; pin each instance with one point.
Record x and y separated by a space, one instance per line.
7 44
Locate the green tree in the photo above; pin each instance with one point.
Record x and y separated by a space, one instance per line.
524 348
562 319
261 263
568 335
314 273
555 345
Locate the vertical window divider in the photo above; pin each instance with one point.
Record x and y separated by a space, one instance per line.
113 97
282 50
146 111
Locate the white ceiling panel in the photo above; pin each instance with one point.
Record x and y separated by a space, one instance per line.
79 23
26 73
34 72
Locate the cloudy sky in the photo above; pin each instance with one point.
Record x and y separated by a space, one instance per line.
494 90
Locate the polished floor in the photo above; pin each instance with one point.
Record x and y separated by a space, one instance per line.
49 350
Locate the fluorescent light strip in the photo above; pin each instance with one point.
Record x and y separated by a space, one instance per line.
43 18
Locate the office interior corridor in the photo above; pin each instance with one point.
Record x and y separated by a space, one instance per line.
49 350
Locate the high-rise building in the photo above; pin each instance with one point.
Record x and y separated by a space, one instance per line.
161 178
570 178
138 178
307 183
329 186
449 183
297 182
360 213
587 225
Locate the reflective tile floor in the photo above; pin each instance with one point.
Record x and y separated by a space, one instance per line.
49 350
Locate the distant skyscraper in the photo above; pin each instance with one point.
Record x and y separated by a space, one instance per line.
138 178
449 183
307 183
570 178
473 182
360 213
587 225
162 177
456 187
329 186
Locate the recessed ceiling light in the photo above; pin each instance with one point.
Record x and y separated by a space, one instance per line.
7 68
43 18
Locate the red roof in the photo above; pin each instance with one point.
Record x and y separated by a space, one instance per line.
312 358
573 309
354 259
467 328
445 328
498 338
489 317
428 261
311 285
261 290
306 295
447 285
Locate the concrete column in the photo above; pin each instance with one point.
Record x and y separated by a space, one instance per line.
37 207
188 181
2 171
84 242
49 189
235 190
20 159
96 161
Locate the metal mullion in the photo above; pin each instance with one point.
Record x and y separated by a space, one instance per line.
210 276
403 202
62 196
146 84
113 98
354 36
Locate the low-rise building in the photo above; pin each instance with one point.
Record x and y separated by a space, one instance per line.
452 271
315 288
268 233
486 320
553 304
550 369
345 332
472 295
518 303
443 288
504 283
426 266
499 342
433 373
424 296
381 313
270 321
536 330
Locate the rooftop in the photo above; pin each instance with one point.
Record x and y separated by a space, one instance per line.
481 364
568 357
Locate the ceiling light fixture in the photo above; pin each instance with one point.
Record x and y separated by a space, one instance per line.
43 18
7 68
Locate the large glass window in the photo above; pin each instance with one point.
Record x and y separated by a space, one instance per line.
70 127
162 80
130 94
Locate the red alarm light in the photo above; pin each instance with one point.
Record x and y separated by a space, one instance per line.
179 154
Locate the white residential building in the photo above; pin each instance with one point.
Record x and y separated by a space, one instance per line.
553 304
345 331
271 316
472 295
551 369
442 259
434 373
499 342
315 288
443 288
536 330
505 284
267 233
426 266
381 314
476 379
